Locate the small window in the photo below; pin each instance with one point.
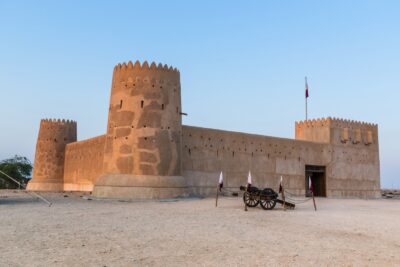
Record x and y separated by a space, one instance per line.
142 104
162 106
369 138
357 136
345 135
120 104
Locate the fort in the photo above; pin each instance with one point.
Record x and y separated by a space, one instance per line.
146 152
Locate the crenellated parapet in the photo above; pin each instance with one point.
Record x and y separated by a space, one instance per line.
54 135
132 74
335 122
337 131
58 121
320 122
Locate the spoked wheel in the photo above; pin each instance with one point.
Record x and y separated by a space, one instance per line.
249 200
267 204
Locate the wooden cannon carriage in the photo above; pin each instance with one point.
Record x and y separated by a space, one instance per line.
267 198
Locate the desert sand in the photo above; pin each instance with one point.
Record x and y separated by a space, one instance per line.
76 231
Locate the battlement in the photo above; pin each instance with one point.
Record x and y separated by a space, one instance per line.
335 122
58 121
336 130
145 67
314 122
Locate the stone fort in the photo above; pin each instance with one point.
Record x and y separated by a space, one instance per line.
146 152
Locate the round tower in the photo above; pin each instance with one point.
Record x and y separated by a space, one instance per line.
142 156
48 169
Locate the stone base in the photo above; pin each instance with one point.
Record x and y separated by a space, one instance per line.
45 186
125 186
78 187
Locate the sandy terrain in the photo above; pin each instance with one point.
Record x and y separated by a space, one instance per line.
80 232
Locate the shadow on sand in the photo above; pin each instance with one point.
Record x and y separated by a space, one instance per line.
18 200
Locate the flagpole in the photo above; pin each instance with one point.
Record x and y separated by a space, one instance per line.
216 198
311 188
313 199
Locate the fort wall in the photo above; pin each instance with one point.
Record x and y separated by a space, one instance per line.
48 171
207 152
83 163
355 167
147 153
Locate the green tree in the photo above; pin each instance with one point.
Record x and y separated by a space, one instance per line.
18 167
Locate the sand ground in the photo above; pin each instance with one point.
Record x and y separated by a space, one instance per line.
192 232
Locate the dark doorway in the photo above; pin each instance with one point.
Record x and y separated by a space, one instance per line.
318 179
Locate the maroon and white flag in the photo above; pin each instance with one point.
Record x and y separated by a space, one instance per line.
280 185
306 88
249 179
310 184
221 181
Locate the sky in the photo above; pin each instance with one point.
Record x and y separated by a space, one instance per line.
242 64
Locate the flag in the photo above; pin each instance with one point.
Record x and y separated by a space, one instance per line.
249 179
221 181
280 185
306 88
310 184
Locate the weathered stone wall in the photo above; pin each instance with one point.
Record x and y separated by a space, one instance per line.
314 130
48 171
142 156
144 123
83 163
147 153
207 152
355 168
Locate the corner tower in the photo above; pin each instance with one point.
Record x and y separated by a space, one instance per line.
353 146
142 154
48 171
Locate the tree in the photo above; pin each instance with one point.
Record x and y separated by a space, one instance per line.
19 168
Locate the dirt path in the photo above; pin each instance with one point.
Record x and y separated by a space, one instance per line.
79 232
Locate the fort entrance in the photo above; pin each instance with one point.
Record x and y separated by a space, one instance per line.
318 179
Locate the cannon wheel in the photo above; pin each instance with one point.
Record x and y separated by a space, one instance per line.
249 200
267 204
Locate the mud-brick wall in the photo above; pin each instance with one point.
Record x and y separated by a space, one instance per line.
83 163
207 152
144 122
355 170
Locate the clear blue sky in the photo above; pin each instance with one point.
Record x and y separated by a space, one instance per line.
242 64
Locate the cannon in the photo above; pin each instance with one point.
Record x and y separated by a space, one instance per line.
267 198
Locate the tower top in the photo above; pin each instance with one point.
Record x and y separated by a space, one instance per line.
144 67
58 121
